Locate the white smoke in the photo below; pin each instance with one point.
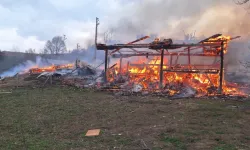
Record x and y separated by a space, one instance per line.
169 19
17 69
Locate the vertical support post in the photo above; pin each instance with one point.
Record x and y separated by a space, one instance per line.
120 70
161 69
171 58
221 68
106 66
189 60
108 61
127 66
96 27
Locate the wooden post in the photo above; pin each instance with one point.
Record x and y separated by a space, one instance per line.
189 60
128 66
171 59
96 32
106 66
161 69
221 68
120 65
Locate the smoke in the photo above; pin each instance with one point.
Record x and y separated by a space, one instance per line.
19 68
169 18
25 66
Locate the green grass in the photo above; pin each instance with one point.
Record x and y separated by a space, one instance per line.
177 143
225 147
59 117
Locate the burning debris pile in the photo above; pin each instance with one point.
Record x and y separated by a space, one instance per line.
78 74
52 68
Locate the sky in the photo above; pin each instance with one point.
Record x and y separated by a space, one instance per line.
30 23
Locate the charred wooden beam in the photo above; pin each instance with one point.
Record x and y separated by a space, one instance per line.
235 37
182 65
106 66
189 61
127 66
171 60
201 71
213 36
120 69
221 68
140 39
142 65
138 74
161 69
166 54
113 66
152 46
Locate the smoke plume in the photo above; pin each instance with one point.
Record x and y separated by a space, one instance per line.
170 17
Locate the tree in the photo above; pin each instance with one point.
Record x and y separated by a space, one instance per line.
240 2
15 49
30 51
55 46
108 36
189 37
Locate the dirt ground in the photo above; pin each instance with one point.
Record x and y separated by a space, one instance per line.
58 117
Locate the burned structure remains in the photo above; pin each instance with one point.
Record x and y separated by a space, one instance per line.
174 66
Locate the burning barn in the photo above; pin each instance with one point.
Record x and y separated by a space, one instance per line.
171 68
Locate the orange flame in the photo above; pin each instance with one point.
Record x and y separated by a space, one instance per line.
51 68
146 73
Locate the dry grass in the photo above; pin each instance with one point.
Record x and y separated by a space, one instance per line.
58 118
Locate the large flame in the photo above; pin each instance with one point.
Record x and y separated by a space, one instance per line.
146 73
51 68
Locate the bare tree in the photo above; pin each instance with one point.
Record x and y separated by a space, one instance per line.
55 46
108 36
240 2
188 37
244 3
15 49
245 63
30 51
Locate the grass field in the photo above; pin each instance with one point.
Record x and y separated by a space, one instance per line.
59 117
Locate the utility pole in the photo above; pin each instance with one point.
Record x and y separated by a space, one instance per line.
64 39
96 32
77 46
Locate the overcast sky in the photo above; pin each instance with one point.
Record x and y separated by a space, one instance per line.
30 23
